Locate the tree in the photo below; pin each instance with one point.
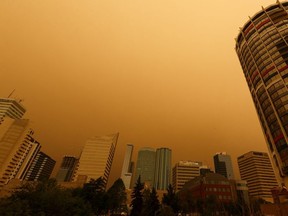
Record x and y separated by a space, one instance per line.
117 197
43 198
94 193
137 198
151 204
171 199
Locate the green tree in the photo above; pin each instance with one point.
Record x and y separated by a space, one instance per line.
171 199
117 197
94 193
43 198
151 204
137 198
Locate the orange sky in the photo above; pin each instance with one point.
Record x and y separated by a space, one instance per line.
162 73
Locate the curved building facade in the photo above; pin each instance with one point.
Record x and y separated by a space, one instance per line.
262 48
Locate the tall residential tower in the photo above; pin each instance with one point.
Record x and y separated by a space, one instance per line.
262 48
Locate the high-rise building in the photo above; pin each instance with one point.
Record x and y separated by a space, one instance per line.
262 47
18 149
163 169
256 169
223 165
97 157
11 108
67 169
184 171
145 166
127 171
41 168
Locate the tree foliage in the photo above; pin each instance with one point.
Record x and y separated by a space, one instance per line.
43 198
137 198
117 197
171 199
48 199
151 203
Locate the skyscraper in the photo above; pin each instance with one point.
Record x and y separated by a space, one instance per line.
67 168
184 171
145 166
18 148
97 157
127 171
256 169
223 165
262 47
163 169
11 108
41 168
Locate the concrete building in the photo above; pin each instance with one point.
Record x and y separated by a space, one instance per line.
145 166
184 171
97 157
126 174
18 149
262 47
241 194
223 165
205 169
11 108
256 169
210 184
41 168
163 169
67 169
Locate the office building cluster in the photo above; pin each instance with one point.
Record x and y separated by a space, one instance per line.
20 153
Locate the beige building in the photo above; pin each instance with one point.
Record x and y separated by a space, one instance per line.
17 147
184 171
11 108
97 157
256 169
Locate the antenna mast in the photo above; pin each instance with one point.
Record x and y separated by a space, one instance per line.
11 93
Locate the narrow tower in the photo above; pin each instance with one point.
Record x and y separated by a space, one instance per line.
127 171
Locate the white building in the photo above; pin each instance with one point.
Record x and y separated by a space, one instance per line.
126 174
184 171
256 169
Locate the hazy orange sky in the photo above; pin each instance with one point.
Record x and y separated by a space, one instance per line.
162 73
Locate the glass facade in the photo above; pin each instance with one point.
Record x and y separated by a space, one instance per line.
262 48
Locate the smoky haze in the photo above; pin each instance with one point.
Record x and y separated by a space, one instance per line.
162 73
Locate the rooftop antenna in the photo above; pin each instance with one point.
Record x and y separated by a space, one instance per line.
11 93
